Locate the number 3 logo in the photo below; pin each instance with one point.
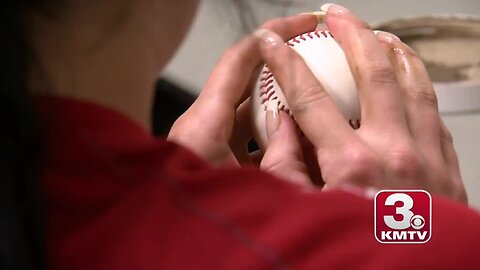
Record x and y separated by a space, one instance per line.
403 216
403 210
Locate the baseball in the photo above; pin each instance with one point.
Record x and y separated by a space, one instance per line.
328 63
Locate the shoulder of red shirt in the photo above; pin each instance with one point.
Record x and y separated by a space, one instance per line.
118 198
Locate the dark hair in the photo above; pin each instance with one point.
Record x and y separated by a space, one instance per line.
21 241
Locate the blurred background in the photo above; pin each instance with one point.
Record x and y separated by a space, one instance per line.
219 24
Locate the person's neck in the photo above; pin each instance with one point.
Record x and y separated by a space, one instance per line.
116 70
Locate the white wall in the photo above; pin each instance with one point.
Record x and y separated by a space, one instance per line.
217 27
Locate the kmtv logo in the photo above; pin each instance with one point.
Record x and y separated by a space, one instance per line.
403 216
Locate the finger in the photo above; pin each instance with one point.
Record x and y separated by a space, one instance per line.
379 94
243 123
207 125
256 157
311 161
283 156
453 165
314 111
244 58
227 85
242 133
321 27
418 96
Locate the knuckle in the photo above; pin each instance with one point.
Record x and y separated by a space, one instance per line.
190 129
177 127
276 24
446 135
424 95
306 96
442 179
408 52
283 165
461 193
383 74
379 72
231 54
449 185
270 24
405 163
272 166
362 167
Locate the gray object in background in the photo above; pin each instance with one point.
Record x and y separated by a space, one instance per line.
449 45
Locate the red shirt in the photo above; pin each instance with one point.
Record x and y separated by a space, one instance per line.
118 198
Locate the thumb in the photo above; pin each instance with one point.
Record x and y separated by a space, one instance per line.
283 156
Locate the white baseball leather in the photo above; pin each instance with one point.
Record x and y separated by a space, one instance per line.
328 63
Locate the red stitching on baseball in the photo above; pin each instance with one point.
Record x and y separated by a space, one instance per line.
267 98
265 84
269 76
268 90
310 35
269 95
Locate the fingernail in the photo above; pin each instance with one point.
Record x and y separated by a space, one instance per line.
269 37
261 32
319 14
386 36
325 7
273 122
331 8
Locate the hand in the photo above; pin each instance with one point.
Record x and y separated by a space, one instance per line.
217 126
402 141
